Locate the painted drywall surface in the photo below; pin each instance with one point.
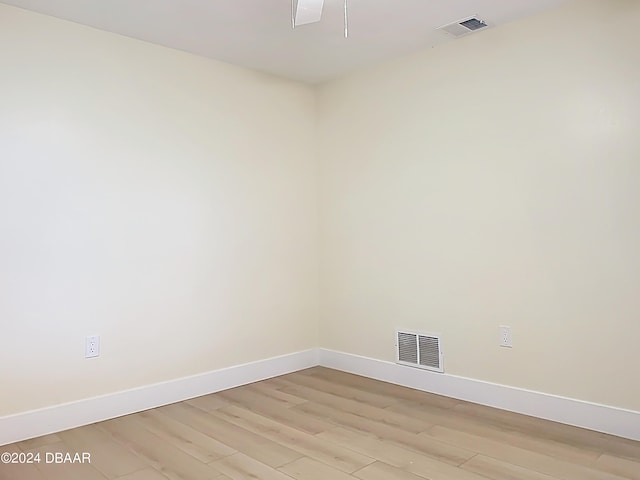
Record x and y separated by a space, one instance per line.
163 201
494 180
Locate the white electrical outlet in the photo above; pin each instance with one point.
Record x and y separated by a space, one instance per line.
92 347
505 336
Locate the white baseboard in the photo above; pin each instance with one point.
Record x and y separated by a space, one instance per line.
57 418
601 418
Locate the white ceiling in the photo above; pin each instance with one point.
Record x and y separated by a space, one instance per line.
258 34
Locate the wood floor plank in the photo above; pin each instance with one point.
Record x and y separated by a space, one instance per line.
383 388
273 393
341 390
620 466
547 430
382 415
242 467
382 471
398 457
39 442
552 448
345 419
164 457
146 474
208 402
274 409
518 456
453 420
240 439
70 472
309 445
22 472
387 433
65 471
187 439
52 469
499 470
107 456
13 471
430 415
308 469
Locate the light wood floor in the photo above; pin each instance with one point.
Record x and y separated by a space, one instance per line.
321 424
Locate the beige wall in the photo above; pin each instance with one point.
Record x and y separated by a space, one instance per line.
163 201
493 180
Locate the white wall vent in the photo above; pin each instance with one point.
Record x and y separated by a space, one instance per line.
421 350
464 26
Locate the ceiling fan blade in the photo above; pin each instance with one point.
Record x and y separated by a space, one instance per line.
307 11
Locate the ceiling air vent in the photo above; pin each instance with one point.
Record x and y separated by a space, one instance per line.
464 26
419 350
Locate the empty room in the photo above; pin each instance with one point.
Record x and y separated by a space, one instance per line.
319 240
